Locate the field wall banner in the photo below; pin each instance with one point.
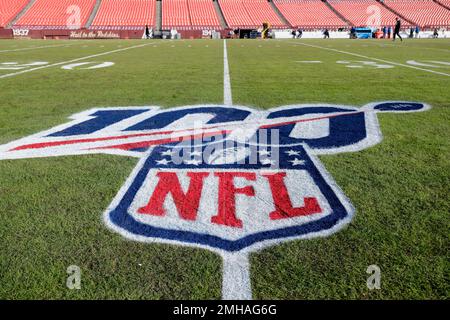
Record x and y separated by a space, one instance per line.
106 34
6 33
23 32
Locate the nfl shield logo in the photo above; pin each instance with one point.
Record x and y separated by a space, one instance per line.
243 199
232 200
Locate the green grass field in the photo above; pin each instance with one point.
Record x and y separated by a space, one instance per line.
51 208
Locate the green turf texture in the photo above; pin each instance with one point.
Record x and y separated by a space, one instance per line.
51 208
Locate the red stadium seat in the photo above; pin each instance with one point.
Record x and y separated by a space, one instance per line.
125 14
364 12
308 14
57 14
249 13
425 13
9 9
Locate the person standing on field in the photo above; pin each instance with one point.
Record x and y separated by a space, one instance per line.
435 33
397 29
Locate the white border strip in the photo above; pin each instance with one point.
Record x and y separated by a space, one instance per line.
71 61
376 59
236 283
227 97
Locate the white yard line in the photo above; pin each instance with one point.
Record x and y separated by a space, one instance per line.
236 277
236 267
73 60
227 97
33 48
407 46
376 59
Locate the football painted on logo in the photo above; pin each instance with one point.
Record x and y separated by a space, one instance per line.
229 155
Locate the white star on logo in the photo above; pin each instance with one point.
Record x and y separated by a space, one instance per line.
164 162
196 153
292 152
297 162
193 162
267 161
168 152
264 152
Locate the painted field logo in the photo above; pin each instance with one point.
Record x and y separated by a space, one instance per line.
228 179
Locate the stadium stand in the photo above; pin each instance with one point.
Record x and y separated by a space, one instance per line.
249 13
57 14
202 14
364 12
125 14
425 13
309 14
9 9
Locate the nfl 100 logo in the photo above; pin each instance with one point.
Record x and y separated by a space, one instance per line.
228 179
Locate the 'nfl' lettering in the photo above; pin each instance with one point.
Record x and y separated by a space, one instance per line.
187 203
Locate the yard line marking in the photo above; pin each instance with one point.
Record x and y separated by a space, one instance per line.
408 46
73 60
422 64
236 277
227 97
376 59
32 48
440 62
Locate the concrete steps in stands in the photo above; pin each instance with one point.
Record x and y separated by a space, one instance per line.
20 14
219 12
395 12
93 13
158 18
279 14
338 13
